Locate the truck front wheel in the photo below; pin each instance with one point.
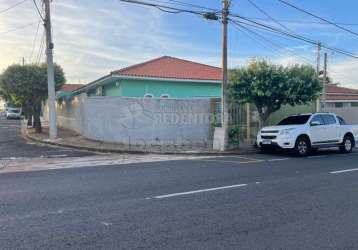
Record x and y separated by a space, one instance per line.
302 146
347 144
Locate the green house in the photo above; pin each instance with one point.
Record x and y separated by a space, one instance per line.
163 77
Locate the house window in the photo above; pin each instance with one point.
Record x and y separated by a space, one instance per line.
330 105
148 96
164 96
338 105
99 91
354 104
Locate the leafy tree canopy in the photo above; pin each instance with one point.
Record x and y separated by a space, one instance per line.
28 83
26 86
270 86
3 94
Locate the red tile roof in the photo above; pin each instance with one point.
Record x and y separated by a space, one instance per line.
71 87
333 88
342 97
336 93
172 68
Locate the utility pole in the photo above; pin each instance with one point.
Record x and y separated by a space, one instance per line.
318 101
224 84
324 83
23 61
318 57
50 73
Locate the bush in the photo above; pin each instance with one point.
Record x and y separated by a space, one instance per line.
234 135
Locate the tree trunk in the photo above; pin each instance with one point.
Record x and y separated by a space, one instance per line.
37 120
265 112
264 115
25 111
33 115
29 115
262 120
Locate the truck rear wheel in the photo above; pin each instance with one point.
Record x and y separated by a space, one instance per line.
347 144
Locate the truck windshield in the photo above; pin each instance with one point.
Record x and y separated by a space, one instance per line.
14 111
295 120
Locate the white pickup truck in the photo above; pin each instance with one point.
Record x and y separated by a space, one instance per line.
13 113
307 132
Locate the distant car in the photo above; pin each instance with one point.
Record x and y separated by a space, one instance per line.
304 133
13 113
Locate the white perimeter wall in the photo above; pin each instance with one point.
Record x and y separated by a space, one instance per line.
137 120
349 114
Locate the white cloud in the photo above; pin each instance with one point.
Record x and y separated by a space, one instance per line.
93 38
345 72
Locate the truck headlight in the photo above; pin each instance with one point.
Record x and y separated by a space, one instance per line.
286 131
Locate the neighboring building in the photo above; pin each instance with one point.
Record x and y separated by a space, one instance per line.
163 77
343 102
341 97
67 90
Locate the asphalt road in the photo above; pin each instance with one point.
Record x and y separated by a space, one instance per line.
12 145
240 202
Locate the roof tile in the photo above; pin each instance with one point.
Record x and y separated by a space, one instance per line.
333 88
172 68
336 93
71 87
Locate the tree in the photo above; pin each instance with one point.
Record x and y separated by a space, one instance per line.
269 86
26 85
3 94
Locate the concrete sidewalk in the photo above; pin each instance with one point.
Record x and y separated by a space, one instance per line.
71 139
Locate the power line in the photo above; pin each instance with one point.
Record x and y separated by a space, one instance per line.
42 54
253 23
297 21
291 35
191 5
34 42
12 6
267 15
165 8
38 10
241 28
241 24
18 28
307 40
39 53
185 4
209 15
318 17
169 11
308 60
274 29
277 22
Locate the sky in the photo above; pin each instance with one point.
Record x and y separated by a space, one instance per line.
95 37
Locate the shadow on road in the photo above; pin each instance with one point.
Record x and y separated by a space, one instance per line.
319 152
13 145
